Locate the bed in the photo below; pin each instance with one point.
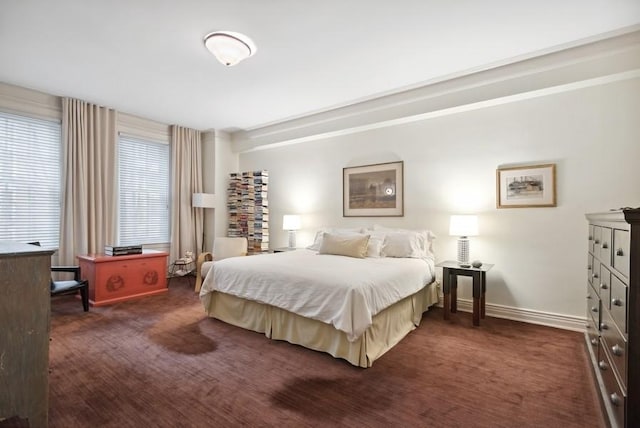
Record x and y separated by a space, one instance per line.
352 308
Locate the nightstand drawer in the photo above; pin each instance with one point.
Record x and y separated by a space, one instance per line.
621 251
618 303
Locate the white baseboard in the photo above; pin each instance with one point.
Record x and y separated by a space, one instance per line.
565 322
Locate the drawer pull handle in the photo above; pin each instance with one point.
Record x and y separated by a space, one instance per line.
589 267
619 252
590 238
604 326
597 241
616 302
603 365
604 286
594 341
605 245
588 296
595 275
594 309
615 399
617 350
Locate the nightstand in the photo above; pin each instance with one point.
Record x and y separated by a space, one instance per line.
450 272
283 249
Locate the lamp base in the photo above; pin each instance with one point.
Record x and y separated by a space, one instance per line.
463 251
292 239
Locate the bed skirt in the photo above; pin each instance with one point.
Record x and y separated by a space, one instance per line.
388 328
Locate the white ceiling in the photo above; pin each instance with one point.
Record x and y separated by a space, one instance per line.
147 57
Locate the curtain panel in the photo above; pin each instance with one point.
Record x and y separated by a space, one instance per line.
89 196
186 178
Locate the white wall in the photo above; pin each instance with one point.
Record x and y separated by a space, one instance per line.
450 162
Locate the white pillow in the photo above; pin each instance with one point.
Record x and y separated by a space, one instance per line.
401 244
374 248
345 245
425 239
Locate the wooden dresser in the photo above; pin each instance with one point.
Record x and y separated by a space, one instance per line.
24 332
613 312
114 279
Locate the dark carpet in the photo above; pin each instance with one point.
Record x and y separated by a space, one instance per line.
160 362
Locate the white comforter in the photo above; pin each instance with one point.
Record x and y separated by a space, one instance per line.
342 291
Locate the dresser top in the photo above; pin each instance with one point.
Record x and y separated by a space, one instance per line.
11 248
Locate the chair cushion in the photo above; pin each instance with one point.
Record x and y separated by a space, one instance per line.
63 286
205 268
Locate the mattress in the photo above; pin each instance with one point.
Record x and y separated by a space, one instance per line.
344 292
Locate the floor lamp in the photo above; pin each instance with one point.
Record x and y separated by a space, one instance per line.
203 200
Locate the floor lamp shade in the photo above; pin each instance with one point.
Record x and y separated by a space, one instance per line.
463 226
203 200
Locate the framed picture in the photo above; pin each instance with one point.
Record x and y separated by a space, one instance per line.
373 190
526 186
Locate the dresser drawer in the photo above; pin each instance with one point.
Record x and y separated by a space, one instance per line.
615 344
618 303
604 286
590 238
613 394
593 334
593 306
590 268
621 251
595 274
606 236
597 240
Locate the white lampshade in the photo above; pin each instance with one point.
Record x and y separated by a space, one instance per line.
291 222
229 47
203 200
463 225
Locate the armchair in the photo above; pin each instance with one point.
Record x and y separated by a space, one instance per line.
71 286
222 248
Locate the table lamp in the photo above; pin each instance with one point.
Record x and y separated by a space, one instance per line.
291 223
463 226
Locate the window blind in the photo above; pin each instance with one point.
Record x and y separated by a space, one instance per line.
30 179
143 191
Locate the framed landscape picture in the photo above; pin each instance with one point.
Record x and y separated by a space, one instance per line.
373 190
526 186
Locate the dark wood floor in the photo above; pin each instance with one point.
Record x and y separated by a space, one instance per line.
159 361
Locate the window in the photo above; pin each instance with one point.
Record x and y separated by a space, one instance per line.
143 191
30 179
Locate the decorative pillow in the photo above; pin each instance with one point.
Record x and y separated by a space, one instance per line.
344 245
317 242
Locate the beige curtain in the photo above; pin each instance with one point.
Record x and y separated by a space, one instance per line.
88 216
186 177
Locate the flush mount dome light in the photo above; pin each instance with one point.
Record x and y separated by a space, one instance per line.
228 47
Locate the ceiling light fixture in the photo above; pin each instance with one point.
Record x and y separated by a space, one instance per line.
229 47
